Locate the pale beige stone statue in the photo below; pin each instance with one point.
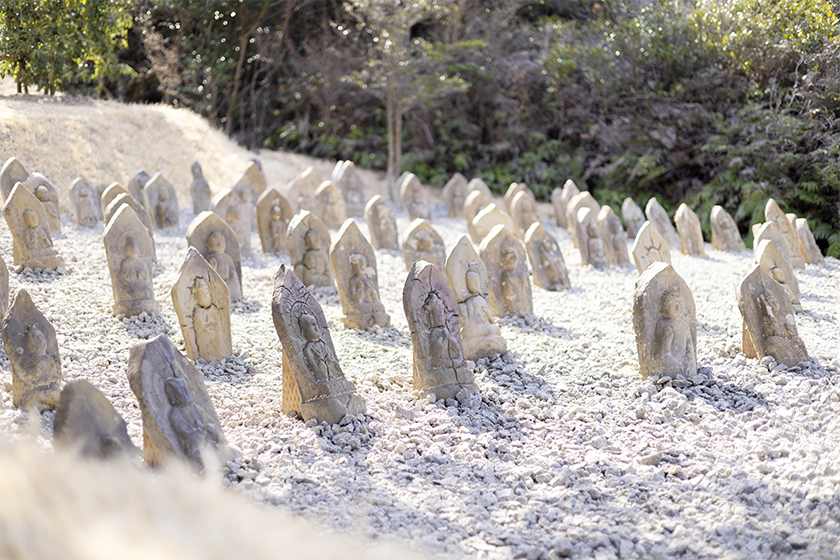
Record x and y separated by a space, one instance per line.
769 323
346 177
440 367
454 194
353 262
808 245
582 200
162 202
477 184
769 231
199 190
248 195
331 208
512 191
772 213
591 241
524 212
128 249
382 224
4 287
691 233
202 302
217 243
547 262
420 242
475 202
27 221
775 265
649 247
12 173
725 234
274 213
490 217
86 209
32 349
633 217
45 192
559 207
125 199
136 183
253 176
414 198
569 191
507 265
469 281
613 234
230 207
665 322
309 242
313 384
301 191
111 192
657 216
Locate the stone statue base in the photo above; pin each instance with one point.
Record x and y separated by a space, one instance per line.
330 408
136 307
43 397
448 382
483 347
366 320
46 262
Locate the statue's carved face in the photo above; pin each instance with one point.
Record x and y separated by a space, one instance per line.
473 282
177 392
309 327
30 218
202 294
42 193
312 240
508 257
36 342
670 305
132 249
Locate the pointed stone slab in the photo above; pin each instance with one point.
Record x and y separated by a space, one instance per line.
218 245
12 173
309 244
633 217
382 224
475 202
27 220
273 216
440 367
128 249
810 250
469 281
135 186
4 288
125 199
253 176
657 216
111 192
162 202
30 343
691 233
725 234
582 200
200 192
313 384
46 192
665 322
769 231
524 212
773 213
353 262
202 302
570 190
559 207
775 265
614 235
454 194
87 422
346 177
591 242
331 208
513 190
301 191
547 262
86 208
490 217
476 184
769 323
420 242
507 265
649 247
179 420
229 207
414 198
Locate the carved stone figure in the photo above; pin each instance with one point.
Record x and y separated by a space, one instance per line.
691 233
614 236
490 217
86 210
273 216
725 234
559 207
454 194
4 288
657 216
569 191
248 194
808 245
420 242
230 207
476 184
382 224
301 191
772 213
27 219
591 241
769 231
111 192
309 242
440 367
524 212
178 417
649 247
513 190
313 384
202 302
128 249
582 200
162 202
199 190
468 279
775 265
507 265
124 199
331 207
633 217
45 192
414 198
30 343
218 245
354 266
346 177
136 184
252 178
12 173
769 324
547 262
86 422
475 202
665 322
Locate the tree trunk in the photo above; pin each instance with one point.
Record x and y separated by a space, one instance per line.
398 143
389 118
243 43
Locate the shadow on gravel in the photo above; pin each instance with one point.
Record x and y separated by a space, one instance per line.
387 336
532 324
720 395
245 307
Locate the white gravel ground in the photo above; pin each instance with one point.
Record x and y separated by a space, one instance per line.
565 453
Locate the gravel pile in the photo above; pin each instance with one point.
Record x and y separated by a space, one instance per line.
566 452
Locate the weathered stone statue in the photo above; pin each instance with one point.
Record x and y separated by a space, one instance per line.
769 231
513 190
489 217
772 213
202 302
346 177
200 192
12 173
633 217
657 216
808 245
420 242
30 343
665 323
591 242
4 288
273 216
524 214
162 202
569 191
111 192
547 262
86 209
691 233
507 265
382 223
218 245
251 179
414 198
27 220
125 199
128 249
86 422
301 191
331 207
775 265
649 247
476 184
136 184
725 234
47 194
559 207
582 200
614 236
769 324
454 194
313 384
230 207
475 202
178 417
468 279
309 242
440 367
